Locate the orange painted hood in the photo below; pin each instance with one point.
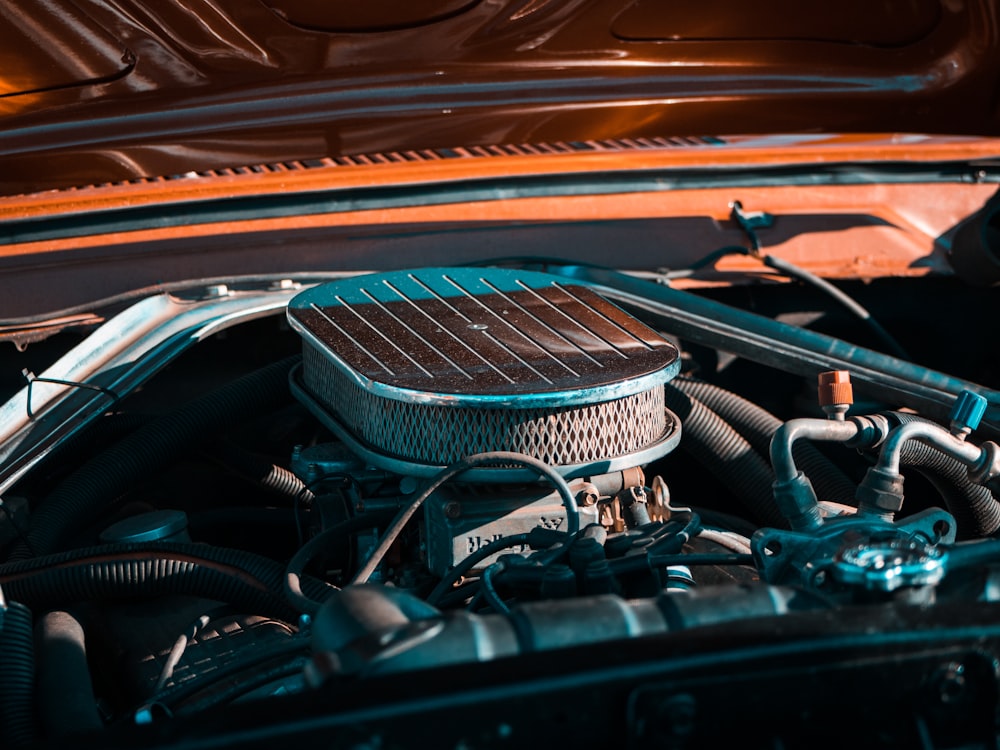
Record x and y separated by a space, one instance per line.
107 91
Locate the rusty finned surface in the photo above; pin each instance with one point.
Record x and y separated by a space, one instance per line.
478 331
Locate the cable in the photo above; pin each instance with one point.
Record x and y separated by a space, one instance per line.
795 272
453 575
786 268
181 644
709 260
296 566
469 462
488 589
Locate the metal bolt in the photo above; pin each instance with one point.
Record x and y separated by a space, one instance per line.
217 290
453 510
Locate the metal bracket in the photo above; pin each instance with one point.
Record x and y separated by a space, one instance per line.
799 558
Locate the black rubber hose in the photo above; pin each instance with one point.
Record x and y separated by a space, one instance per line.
722 451
98 483
66 702
101 432
758 425
976 510
17 678
250 582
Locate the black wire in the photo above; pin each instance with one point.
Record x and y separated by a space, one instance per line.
296 566
497 545
450 472
32 379
852 305
709 260
793 271
458 595
488 589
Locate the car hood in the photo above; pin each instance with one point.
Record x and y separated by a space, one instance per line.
117 90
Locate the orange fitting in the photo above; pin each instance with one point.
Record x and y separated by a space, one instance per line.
835 388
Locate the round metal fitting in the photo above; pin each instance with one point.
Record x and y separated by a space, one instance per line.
891 564
155 526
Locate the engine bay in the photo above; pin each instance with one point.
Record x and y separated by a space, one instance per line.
423 471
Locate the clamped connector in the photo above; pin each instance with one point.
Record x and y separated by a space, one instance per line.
796 499
880 493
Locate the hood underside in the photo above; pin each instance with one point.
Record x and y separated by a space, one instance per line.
108 91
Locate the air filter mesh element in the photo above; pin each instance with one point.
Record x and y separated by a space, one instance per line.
418 369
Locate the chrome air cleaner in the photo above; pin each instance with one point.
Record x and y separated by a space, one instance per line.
414 370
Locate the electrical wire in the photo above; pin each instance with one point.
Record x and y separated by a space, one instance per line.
297 565
180 646
488 550
469 462
848 302
488 588
786 268
182 642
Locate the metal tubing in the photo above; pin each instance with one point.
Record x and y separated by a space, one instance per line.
826 430
969 454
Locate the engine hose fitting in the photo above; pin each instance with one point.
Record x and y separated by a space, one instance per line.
880 493
796 499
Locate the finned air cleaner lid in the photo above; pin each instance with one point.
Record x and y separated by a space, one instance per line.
423 367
